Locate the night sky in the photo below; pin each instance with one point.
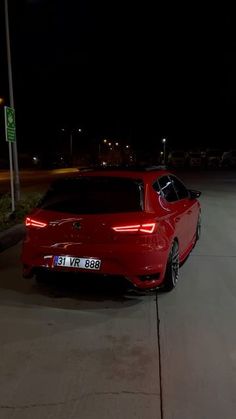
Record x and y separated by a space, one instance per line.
131 72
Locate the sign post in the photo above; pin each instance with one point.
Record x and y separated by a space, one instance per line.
10 130
11 98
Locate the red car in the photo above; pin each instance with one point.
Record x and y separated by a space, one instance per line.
139 224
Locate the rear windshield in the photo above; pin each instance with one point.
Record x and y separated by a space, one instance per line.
94 195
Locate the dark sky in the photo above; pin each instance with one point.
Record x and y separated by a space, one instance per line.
137 72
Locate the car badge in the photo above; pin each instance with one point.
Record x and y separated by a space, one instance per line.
77 225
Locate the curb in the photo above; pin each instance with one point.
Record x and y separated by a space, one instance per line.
11 236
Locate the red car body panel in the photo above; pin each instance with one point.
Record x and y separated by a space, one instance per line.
141 257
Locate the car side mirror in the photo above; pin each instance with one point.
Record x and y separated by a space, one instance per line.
193 194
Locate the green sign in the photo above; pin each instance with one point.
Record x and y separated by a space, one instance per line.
10 124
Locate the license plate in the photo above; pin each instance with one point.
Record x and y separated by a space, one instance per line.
75 262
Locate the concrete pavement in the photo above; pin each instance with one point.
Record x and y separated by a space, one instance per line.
11 236
79 355
197 321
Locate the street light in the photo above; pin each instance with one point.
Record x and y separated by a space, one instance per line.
164 149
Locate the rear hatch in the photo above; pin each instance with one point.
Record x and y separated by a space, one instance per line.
89 210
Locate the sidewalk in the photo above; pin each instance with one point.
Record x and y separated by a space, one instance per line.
11 236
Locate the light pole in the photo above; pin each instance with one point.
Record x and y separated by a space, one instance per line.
10 82
71 145
71 140
104 141
164 149
71 132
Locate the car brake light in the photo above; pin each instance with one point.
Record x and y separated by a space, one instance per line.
30 222
148 228
143 228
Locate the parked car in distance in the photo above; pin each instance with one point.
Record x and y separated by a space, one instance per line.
213 158
194 159
229 159
137 223
177 158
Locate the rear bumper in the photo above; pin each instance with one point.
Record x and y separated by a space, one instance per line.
143 266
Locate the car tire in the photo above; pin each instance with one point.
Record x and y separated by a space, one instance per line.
172 268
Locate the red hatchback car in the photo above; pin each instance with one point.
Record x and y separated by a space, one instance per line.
139 224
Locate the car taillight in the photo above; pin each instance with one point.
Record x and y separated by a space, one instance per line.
30 222
143 228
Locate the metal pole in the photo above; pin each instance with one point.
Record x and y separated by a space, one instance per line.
11 165
15 154
99 152
164 150
11 178
71 147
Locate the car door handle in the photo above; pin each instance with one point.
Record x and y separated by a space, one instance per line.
189 212
177 219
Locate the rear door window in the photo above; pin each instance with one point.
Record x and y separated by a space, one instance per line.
156 186
94 195
179 187
167 189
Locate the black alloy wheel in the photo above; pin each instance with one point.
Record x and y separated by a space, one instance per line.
172 268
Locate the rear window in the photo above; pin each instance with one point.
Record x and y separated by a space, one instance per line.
94 195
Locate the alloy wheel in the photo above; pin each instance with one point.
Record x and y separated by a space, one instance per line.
175 264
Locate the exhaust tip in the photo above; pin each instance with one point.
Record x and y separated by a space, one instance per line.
152 277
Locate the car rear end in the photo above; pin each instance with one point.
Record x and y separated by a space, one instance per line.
97 224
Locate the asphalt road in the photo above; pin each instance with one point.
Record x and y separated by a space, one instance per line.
33 180
80 351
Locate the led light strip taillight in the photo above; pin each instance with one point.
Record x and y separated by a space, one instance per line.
143 228
30 222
